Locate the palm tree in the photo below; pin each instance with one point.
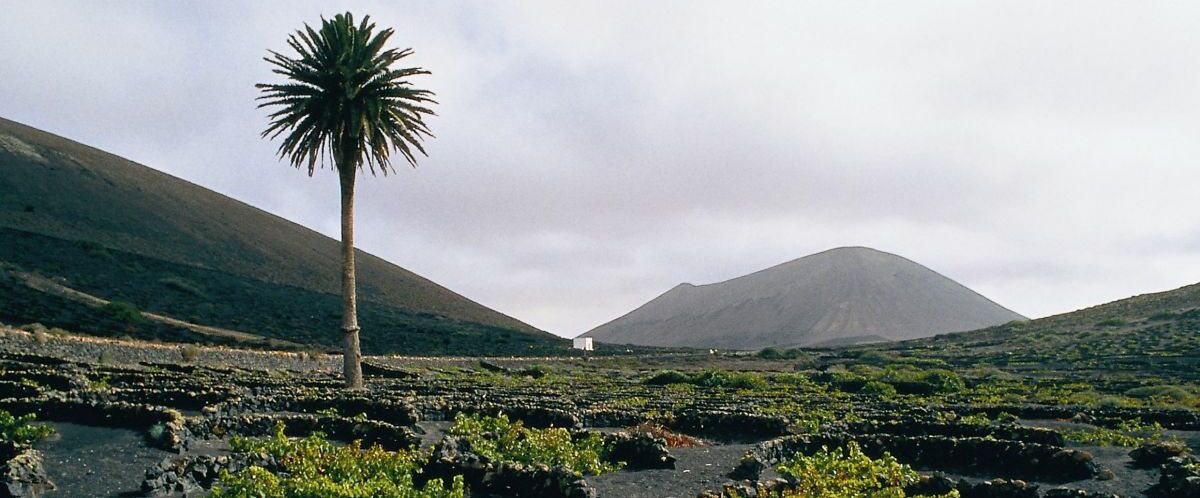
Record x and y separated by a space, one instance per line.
345 103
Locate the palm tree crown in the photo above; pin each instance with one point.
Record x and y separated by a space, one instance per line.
343 101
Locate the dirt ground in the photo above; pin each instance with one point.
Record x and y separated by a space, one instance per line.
696 469
94 462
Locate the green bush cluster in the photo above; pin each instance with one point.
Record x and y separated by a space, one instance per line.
498 439
936 380
1164 392
22 430
313 467
180 284
535 371
730 380
796 379
847 473
1177 315
1129 433
878 389
99 384
189 352
774 353
875 357
710 378
123 311
667 377
97 251
905 379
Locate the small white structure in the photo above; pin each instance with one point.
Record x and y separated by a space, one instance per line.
584 343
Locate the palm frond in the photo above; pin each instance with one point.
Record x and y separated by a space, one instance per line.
343 102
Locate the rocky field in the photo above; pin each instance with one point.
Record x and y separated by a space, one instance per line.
123 418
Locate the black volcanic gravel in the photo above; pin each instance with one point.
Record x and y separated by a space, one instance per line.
87 462
696 469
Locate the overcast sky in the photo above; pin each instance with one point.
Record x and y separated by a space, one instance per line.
590 156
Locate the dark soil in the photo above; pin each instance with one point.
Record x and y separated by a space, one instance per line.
88 462
696 469
1126 481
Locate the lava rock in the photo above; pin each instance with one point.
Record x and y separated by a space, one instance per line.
639 451
23 476
1179 479
1155 453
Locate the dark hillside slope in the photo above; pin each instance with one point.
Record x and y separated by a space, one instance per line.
832 297
75 196
1157 332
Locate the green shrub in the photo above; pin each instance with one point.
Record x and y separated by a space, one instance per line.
1129 433
1175 393
97 251
1111 402
313 467
30 383
1112 322
770 353
975 419
842 379
22 430
989 372
846 473
182 285
710 378
498 439
1006 418
774 353
157 432
804 362
189 352
33 328
875 357
872 371
123 311
878 389
910 380
943 381
99 384
730 380
793 379
535 371
669 377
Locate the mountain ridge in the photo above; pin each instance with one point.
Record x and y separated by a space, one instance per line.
1155 331
827 296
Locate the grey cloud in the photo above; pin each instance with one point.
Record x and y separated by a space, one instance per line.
590 156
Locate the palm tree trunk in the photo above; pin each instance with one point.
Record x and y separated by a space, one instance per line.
352 355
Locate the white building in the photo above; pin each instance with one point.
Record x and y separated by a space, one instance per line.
584 343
